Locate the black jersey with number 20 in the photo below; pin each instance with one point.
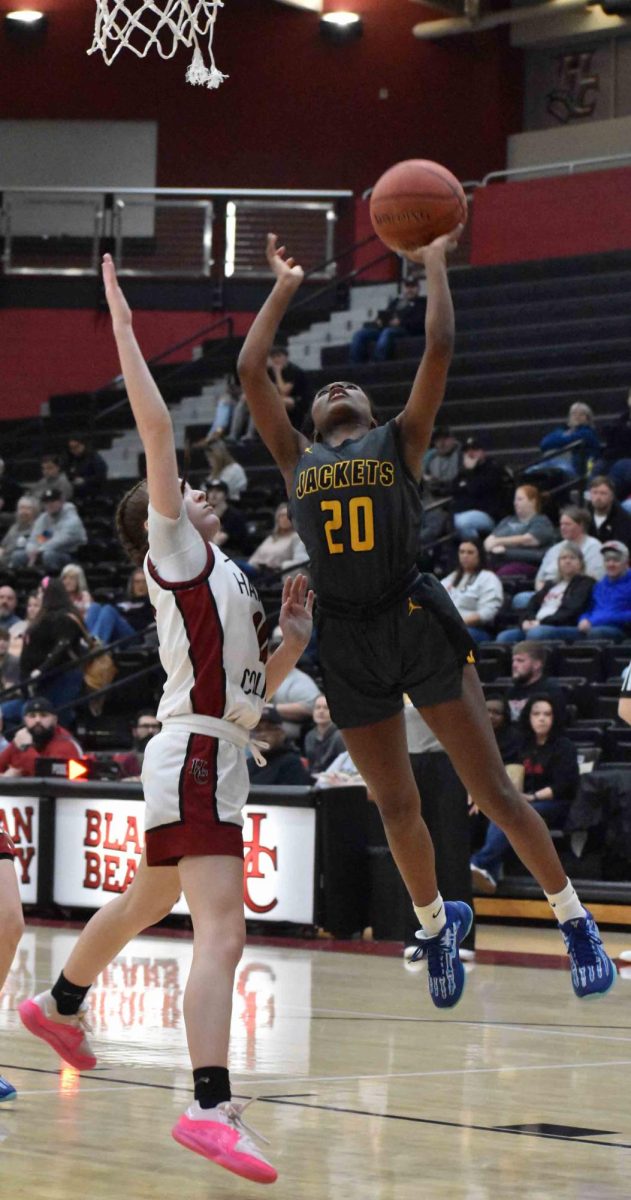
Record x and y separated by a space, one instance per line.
357 509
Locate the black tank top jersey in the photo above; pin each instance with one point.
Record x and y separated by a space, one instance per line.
357 509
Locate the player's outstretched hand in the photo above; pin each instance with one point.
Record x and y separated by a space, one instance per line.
441 245
284 268
296 620
118 306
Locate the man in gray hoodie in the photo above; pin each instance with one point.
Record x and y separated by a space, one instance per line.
56 534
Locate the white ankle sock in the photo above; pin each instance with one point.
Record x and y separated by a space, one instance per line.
566 905
432 916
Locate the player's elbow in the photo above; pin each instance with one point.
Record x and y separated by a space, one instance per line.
440 343
624 710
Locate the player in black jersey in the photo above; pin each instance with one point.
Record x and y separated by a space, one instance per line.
384 629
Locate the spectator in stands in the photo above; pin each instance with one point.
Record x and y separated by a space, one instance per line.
86 470
14 541
55 639
506 735
291 383
56 535
8 606
477 489
135 605
609 612
295 697
33 605
441 463
574 523
282 548
222 421
233 535
3 741
518 543
527 671
550 764
103 621
615 460
284 765
145 726
324 742
579 427
5 663
226 469
477 593
41 736
609 520
342 772
555 608
10 491
52 477
404 316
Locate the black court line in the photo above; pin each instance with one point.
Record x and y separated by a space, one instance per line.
450 1023
363 1112
292 1099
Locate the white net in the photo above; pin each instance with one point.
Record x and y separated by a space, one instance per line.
139 25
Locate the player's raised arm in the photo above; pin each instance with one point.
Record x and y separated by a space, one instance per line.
417 419
263 399
150 412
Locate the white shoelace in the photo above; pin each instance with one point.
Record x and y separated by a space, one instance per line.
234 1110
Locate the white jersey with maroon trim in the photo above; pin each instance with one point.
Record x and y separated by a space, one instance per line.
213 642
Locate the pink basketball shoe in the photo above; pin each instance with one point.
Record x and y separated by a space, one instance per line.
221 1135
66 1035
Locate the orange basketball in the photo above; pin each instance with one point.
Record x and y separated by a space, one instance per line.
414 202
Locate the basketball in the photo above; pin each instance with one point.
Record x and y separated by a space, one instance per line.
414 202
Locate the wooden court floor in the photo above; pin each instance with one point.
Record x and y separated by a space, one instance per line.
365 1090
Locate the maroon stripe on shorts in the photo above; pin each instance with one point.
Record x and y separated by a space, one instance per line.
199 832
205 649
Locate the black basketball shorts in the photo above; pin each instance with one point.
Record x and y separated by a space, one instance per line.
419 646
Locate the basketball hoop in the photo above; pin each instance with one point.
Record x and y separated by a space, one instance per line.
137 25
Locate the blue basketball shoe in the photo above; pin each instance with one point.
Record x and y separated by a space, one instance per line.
7 1090
593 972
445 971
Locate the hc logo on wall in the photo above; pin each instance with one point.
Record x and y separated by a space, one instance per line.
577 88
279 863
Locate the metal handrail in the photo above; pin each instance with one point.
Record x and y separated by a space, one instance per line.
570 164
271 193
73 663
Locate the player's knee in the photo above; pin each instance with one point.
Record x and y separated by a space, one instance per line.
398 806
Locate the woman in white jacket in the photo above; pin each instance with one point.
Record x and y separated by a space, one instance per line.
476 592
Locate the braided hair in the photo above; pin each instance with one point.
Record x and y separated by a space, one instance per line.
131 522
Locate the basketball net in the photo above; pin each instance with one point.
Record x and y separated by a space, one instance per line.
137 25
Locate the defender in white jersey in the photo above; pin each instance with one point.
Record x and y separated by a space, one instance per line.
211 630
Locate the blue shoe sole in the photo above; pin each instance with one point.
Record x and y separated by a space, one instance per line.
8 1096
461 939
599 995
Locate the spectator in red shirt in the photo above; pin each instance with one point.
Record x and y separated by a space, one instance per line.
39 737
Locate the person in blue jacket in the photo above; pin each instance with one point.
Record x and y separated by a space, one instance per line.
580 424
609 614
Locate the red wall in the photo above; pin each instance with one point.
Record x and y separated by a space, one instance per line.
552 218
295 112
49 351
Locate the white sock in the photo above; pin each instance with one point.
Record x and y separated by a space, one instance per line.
566 905
432 916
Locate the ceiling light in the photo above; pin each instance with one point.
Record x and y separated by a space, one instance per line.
25 16
341 26
341 18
